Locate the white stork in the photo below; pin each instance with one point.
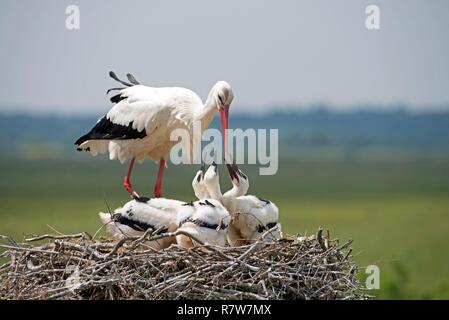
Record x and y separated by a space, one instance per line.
141 214
250 216
142 118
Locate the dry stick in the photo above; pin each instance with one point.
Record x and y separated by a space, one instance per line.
51 236
117 246
147 233
27 249
319 239
80 248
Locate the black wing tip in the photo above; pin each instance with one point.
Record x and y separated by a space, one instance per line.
113 89
81 140
117 98
209 203
105 129
142 199
132 79
264 200
114 76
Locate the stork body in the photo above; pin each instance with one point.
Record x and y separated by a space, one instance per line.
142 119
139 215
250 216
207 220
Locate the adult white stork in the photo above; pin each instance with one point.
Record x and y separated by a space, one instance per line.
251 216
141 214
142 119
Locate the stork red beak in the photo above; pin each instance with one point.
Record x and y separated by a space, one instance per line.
224 117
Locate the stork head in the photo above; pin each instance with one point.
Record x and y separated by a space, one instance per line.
198 183
223 96
211 178
238 178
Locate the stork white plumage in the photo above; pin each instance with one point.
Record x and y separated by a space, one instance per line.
142 119
141 214
250 216
199 188
207 220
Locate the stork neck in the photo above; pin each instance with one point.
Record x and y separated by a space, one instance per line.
207 112
215 191
229 198
233 192
201 192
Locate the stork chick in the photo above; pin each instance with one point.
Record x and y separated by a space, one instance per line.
141 214
251 216
206 219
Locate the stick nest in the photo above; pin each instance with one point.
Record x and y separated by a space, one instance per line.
78 267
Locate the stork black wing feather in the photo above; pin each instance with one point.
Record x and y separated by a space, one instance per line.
105 129
114 76
112 89
117 98
132 79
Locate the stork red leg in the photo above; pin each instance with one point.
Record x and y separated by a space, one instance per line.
158 185
127 180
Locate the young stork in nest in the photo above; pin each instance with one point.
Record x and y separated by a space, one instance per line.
141 214
206 219
251 216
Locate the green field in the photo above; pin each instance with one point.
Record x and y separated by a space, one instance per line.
396 211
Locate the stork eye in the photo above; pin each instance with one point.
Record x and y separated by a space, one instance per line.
220 99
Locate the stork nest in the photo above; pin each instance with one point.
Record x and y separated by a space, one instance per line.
78 267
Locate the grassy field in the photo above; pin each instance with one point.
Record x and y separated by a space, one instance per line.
396 211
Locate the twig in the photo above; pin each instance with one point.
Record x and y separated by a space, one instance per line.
66 236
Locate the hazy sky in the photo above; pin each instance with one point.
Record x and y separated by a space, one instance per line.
271 52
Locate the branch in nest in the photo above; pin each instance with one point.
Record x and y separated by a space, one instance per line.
83 235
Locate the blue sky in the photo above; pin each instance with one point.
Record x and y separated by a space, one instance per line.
274 53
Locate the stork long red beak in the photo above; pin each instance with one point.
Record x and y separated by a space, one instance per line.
224 117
